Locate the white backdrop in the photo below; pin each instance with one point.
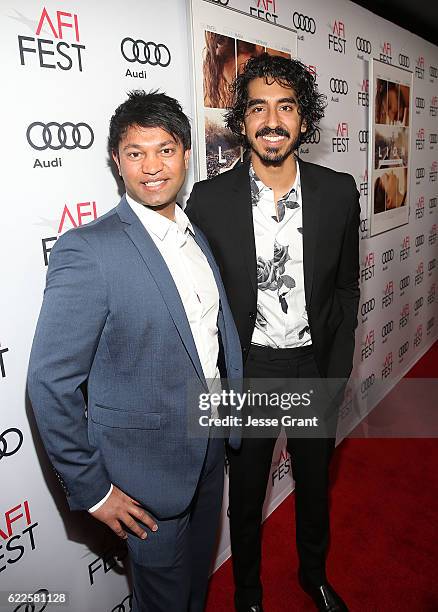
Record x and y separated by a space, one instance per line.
66 66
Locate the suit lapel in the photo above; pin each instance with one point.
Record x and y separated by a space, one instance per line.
242 217
311 202
162 277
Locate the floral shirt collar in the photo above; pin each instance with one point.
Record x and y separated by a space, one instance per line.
258 187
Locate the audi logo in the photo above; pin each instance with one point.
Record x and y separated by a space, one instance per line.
367 383
433 139
121 607
420 173
404 282
362 44
314 138
419 240
387 256
145 52
32 607
433 72
363 136
387 328
404 60
431 265
304 23
55 136
10 442
418 303
339 86
419 102
403 349
367 307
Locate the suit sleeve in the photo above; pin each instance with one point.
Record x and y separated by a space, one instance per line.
192 207
347 291
70 324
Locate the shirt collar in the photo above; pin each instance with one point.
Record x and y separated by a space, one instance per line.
156 223
257 185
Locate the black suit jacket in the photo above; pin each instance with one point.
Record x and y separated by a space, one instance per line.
222 208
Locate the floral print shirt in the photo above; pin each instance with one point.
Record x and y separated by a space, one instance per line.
281 320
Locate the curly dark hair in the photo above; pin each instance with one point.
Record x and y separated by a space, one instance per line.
286 72
153 109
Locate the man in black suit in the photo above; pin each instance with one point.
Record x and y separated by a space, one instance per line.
285 235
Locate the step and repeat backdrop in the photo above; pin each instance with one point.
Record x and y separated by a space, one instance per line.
66 66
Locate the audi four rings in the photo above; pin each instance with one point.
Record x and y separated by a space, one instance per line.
42 136
314 138
10 446
128 599
362 44
338 86
145 52
304 23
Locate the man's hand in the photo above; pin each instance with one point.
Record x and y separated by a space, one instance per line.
120 510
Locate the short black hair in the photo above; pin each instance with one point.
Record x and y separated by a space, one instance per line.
286 72
153 109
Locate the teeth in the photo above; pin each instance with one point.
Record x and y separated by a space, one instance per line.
273 138
153 183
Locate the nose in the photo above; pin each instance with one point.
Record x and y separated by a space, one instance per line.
272 119
152 164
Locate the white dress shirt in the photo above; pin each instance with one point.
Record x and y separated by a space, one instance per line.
281 320
194 281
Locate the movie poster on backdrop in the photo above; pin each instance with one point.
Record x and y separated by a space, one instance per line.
224 36
390 120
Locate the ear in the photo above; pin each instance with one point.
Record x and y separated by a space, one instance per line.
187 154
303 126
116 159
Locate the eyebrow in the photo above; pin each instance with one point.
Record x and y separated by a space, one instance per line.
160 145
256 101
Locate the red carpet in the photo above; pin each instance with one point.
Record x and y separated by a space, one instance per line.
383 555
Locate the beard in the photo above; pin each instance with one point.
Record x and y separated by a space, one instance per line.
271 156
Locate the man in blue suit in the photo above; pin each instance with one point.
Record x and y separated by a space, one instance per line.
135 310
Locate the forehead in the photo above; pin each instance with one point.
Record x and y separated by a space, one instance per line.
146 136
269 89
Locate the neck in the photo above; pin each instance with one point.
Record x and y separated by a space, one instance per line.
279 178
165 210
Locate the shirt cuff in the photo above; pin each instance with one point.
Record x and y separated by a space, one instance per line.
102 501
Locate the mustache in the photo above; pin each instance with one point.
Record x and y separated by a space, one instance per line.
266 131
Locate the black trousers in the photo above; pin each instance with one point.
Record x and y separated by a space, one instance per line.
181 585
249 472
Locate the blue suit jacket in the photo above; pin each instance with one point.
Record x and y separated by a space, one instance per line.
113 318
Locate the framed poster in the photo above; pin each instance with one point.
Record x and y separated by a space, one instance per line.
390 123
223 38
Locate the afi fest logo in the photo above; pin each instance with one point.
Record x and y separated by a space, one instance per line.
405 248
284 466
336 38
433 172
419 140
419 208
386 53
71 216
111 558
264 9
419 67
362 94
368 346
368 267
433 109
16 535
388 294
363 183
63 50
387 365
340 141
404 316
418 337
432 235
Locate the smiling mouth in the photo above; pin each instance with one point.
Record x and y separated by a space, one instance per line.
154 184
272 139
